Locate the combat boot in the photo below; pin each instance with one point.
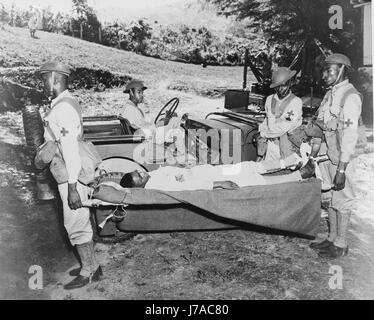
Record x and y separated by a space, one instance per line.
320 245
81 281
333 252
88 262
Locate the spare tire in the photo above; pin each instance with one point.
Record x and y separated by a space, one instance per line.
34 134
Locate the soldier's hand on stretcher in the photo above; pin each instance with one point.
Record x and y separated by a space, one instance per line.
339 181
228 185
74 200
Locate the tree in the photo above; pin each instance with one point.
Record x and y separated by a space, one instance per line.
86 19
286 24
80 8
4 16
138 33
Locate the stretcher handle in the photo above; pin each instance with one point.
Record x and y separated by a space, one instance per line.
97 202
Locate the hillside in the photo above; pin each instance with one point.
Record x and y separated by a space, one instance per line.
18 49
165 79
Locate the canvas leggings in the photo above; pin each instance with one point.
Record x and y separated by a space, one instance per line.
341 203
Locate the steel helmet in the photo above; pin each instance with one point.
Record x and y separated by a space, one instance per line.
280 76
134 84
339 59
55 66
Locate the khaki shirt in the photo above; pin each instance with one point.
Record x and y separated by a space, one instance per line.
65 121
344 117
135 115
275 124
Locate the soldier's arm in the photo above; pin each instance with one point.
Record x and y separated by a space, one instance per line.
351 114
263 127
136 120
69 124
278 127
316 142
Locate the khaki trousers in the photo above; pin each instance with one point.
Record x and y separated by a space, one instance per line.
343 200
341 203
77 222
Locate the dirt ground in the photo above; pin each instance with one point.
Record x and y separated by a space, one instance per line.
236 264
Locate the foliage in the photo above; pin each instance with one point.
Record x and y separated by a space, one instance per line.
85 19
131 37
287 23
4 16
134 36
196 45
172 42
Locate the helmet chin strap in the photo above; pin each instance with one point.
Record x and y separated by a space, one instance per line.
287 91
51 85
338 77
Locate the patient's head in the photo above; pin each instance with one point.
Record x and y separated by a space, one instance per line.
134 179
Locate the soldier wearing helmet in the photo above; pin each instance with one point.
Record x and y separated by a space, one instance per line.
338 117
170 133
283 115
63 124
132 110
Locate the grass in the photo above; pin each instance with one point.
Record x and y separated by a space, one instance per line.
18 49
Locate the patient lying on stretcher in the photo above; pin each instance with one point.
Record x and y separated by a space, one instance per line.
208 177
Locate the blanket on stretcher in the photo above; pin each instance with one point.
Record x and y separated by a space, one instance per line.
293 207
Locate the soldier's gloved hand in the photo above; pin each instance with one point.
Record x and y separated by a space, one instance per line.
74 200
339 181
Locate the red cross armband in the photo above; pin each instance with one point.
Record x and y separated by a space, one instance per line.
290 115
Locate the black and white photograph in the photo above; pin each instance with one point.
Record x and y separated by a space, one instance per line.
186 150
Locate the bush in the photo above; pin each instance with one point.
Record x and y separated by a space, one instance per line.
132 37
172 42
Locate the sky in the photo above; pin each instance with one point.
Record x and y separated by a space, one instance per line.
65 5
163 11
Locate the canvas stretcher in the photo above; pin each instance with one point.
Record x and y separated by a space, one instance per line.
292 207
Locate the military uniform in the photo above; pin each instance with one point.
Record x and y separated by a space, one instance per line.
72 166
33 24
340 112
65 121
135 115
141 122
283 116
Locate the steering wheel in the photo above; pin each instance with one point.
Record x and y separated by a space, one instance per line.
173 105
